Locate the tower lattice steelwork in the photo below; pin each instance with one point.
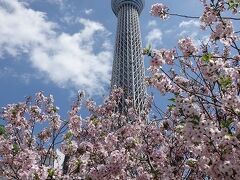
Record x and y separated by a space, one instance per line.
128 67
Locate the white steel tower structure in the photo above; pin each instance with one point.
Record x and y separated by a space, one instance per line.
128 66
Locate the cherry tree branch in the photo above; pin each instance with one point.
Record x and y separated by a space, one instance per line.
197 17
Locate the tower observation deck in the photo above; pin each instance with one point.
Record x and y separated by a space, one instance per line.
128 67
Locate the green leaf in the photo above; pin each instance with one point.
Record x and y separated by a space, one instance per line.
95 121
191 162
207 57
226 124
225 82
78 163
147 51
14 113
233 4
195 120
2 130
55 109
16 148
171 107
149 46
68 135
172 99
36 177
179 128
51 172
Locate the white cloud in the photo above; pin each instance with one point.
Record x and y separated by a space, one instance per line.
191 29
18 33
152 23
68 60
88 11
168 31
61 3
189 24
25 78
154 37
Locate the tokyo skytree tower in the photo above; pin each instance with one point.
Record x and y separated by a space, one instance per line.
128 67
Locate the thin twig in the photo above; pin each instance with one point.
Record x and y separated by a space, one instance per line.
197 17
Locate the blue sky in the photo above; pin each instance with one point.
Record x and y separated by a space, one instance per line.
61 46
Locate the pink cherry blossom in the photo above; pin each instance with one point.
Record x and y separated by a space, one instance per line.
187 47
159 10
196 136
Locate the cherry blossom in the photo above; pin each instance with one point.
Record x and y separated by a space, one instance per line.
196 137
187 47
159 10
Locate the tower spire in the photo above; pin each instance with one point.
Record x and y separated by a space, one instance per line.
128 67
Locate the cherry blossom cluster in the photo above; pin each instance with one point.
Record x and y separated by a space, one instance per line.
211 69
23 152
209 16
203 117
221 27
196 137
159 10
224 32
187 46
161 57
